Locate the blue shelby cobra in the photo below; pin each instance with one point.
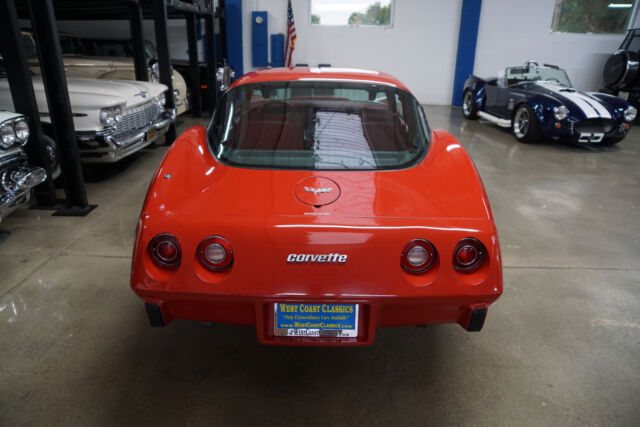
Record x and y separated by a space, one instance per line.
538 101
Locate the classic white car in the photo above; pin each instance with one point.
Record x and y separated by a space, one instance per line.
112 118
78 62
17 177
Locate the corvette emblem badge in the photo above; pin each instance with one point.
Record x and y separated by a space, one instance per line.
318 190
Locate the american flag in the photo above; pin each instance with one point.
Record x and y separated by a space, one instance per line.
290 45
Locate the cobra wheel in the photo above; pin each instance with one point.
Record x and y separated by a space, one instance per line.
526 127
469 107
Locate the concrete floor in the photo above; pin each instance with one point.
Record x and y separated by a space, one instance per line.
560 347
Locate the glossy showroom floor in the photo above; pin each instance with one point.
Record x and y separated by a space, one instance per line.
560 347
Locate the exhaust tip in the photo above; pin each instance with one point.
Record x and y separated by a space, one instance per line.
476 319
154 314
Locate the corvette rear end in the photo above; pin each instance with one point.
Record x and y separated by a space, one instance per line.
317 207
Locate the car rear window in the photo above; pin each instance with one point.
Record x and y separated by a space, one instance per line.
318 125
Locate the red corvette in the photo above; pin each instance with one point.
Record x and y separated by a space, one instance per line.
317 206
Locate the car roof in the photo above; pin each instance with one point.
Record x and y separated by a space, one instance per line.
355 75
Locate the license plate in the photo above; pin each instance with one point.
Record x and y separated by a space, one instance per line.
151 134
623 95
315 320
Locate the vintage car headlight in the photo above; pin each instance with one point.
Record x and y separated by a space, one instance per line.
162 99
107 116
176 96
630 114
21 128
7 135
117 114
560 112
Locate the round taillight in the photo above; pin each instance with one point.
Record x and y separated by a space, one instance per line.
215 253
418 256
469 255
164 250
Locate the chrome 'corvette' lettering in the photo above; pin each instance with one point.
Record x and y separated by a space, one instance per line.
317 258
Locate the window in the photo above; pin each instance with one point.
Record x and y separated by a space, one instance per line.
30 46
353 12
631 42
318 125
115 48
591 16
149 49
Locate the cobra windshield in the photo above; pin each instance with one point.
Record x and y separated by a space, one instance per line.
318 125
533 73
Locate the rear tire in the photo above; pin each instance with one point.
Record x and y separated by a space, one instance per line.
469 107
525 125
52 157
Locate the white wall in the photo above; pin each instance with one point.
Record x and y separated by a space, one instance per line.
513 31
420 49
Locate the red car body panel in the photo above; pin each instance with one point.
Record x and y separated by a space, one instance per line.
193 196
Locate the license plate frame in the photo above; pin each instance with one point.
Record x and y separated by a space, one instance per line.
319 320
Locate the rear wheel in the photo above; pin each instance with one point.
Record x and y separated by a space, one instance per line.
52 156
526 127
469 107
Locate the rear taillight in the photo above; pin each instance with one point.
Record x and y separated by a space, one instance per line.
469 255
165 252
215 253
418 256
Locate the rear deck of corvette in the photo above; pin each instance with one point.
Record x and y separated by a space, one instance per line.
317 207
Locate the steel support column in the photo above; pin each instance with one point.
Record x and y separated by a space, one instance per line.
43 21
194 69
164 63
222 27
24 99
137 38
212 85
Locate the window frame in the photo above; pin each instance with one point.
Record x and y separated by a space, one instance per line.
391 19
555 18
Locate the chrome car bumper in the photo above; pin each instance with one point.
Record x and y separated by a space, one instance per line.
101 147
17 179
594 135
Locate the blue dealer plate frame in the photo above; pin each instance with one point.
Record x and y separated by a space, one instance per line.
315 320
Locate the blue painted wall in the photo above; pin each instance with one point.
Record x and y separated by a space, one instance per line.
234 35
467 40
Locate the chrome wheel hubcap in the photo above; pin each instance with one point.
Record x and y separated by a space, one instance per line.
521 123
466 104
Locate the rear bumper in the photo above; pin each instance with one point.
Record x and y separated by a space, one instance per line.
375 312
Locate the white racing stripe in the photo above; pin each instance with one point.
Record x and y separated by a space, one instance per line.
589 106
594 103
